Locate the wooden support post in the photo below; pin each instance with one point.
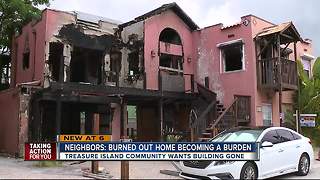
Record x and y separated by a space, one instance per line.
124 164
122 120
279 79
124 169
95 130
58 101
298 83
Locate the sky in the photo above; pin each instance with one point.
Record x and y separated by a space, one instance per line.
208 12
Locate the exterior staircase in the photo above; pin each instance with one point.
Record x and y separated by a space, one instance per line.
227 121
210 117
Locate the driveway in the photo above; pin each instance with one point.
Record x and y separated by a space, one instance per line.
18 168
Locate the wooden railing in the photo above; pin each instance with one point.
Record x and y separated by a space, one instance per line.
289 72
268 73
238 113
175 81
200 123
219 125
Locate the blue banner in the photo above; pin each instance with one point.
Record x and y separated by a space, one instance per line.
165 147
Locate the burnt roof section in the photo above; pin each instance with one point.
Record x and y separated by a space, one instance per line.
74 34
171 6
284 28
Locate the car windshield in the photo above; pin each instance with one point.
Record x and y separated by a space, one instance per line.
238 136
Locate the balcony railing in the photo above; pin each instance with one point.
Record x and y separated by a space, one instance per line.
268 73
175 81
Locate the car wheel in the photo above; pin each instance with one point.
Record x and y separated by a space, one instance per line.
249 171
304 165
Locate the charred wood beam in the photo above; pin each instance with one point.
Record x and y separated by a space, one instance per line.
284 48
81 99
287 36
119 91
264 48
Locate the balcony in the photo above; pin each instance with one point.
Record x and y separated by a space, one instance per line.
175 81
268 74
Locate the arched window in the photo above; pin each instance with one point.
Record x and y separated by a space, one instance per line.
168 61
169 35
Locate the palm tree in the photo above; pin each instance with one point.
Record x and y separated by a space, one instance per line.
309 97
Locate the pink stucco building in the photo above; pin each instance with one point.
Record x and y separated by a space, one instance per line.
160 69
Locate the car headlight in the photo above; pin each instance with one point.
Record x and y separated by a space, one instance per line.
218 163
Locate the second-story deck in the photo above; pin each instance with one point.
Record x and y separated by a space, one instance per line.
269 76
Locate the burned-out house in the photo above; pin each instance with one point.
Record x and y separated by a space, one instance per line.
146 79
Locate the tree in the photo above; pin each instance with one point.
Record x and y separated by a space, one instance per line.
310 88
14 14
309 99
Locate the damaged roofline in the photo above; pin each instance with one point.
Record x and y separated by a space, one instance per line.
258 18
171 6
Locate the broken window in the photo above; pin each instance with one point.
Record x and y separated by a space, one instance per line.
306 66
232 56
26 60
86 65
133 59
115 66
171 61
115 59
55 55
169 35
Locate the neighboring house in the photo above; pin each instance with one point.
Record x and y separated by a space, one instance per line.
4 71
174 77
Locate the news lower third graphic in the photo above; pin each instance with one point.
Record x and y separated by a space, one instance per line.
99 147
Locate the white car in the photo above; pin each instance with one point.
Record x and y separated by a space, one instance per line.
282 151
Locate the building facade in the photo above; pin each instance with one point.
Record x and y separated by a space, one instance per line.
149 78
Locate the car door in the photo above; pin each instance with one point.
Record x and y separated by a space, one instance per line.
269 156
288 150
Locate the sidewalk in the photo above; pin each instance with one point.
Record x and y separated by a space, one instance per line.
316 152
11 168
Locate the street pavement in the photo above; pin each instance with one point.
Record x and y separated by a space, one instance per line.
313 174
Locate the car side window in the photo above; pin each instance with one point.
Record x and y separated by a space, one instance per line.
296 136
272 137
285 135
